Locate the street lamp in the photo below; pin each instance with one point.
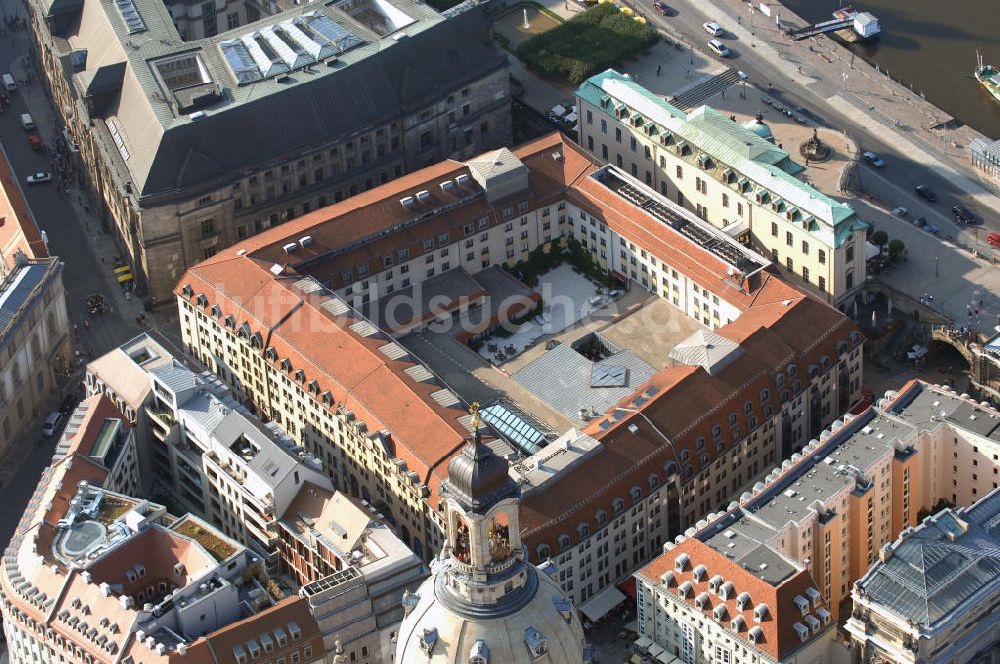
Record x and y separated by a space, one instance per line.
935 266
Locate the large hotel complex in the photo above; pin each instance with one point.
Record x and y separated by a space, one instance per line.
433 398
282 320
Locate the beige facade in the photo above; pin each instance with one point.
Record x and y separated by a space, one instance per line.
932 594
175 193
35 344
731 177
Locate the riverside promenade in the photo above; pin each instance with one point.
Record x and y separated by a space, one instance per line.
856 90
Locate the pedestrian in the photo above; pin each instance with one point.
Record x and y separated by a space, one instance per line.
102 258
657 70
769 88
739 20
723 93
86 324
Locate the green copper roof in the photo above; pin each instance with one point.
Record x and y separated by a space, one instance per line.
727 142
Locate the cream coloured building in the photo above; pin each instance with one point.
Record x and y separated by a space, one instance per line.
732 176
932 595
291 322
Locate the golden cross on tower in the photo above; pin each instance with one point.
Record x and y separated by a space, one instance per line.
474 410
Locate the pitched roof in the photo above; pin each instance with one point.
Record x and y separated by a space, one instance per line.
780 638
86 423
736 146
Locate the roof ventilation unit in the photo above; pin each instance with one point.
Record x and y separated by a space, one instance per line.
423 196
407 202
197 115
305 240
290 247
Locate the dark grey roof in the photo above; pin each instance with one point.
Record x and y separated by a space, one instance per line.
477 477
402 76
934 569
16 290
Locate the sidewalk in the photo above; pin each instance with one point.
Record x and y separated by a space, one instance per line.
865 96
103 246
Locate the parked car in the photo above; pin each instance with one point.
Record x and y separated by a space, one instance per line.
51 424
993 239
713 28
873 159
964 215
900 212
39 178
720 49
932 229
663 9
920 222
68 403
926 193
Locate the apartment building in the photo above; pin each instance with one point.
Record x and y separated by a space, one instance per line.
697 606
277 317
732 176
19 234
122 376
200 124
831 510
353 569
35 343
216 460
97 430
96 576
932 595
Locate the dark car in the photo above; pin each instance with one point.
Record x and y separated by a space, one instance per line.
664 9
926 193
964 215
68 404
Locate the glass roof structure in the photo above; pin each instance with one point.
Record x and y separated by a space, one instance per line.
515 426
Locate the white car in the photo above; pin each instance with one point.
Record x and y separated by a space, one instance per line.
713 28
873 159
51 424
39 178
720 49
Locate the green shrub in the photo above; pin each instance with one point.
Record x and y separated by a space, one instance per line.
588 43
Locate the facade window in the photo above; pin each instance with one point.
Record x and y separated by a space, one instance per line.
805 247
805 274
774 229
788 238
789 264
821 282
680 172
821 255
725 200
849 254
207 227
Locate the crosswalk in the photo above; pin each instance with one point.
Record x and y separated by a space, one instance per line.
698 94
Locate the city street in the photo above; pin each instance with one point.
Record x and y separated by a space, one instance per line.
73 236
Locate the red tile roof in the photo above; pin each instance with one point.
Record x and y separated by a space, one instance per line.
779 324
780 638
98 409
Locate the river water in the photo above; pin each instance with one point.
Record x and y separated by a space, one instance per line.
931 45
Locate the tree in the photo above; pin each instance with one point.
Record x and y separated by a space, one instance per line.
879 239
896 249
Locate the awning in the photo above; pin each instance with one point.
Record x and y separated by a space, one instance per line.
598 606
620 277
871 250
655 650
559 110
642 643
570 117
666 658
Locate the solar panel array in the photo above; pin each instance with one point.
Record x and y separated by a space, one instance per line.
287 46
712 242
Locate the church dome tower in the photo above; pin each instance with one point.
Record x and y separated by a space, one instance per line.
483 602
